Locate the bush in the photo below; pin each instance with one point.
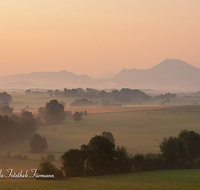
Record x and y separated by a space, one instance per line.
77 116
47 168
38 144
138 162
109 136
152 162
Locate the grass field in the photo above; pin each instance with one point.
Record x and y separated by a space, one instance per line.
157 180
139 131
139 128
35 101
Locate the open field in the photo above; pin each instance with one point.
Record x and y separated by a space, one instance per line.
139 131
37 100
159 180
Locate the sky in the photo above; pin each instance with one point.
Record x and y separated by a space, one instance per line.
91 36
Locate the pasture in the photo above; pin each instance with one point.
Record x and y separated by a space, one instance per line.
160 180
139 128
140 131
35 101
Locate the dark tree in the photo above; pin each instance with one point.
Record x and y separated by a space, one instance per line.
4 96
82 102
123 162
38 144
77 116
100 156
174 152
53 113
28 91
192 142
102 94
47 168
73 163
138 162
108 135
28 124
4 103
27 115
6 110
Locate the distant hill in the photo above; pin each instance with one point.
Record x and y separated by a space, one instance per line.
170 74
28 85
62 79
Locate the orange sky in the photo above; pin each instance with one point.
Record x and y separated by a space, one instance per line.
94 36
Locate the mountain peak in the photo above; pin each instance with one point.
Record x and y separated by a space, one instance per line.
173 64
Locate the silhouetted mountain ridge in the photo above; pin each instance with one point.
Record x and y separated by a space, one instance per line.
170 74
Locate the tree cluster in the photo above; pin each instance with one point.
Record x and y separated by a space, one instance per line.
176 153
165 96
82 102
4 96
53 112
98 157
15 128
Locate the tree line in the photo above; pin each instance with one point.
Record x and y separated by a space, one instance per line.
101 156
15 127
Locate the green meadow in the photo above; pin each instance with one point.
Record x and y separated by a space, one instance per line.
159 180
140 131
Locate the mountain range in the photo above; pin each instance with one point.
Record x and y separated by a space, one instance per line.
170 74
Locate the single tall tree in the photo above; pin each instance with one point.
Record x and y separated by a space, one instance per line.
77 116
53 113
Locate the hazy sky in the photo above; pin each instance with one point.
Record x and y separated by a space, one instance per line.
94 36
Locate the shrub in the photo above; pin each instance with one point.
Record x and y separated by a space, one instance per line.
138 162
38 144
47 168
